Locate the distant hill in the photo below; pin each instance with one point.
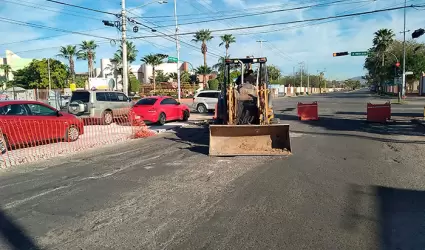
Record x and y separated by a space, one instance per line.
359 78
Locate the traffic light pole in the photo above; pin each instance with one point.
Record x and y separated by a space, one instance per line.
403 85
124 49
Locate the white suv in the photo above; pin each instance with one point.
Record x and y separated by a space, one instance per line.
205 100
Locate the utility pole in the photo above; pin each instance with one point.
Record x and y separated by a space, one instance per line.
308 80
178 52
48 70
261 46
293 72
403 86
301 71
124 49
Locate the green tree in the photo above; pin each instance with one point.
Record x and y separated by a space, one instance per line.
184 76
134 83
213 84
69 52
203 36
161 76
226 40
204 71
153 60
87 52
273 72
36 75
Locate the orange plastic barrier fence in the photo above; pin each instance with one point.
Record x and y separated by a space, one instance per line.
378 112
308 111
31 138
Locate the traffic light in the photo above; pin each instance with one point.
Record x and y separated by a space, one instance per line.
108 23
417 33
340 54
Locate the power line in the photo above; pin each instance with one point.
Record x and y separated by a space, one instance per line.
51 10
100 42
46 37
168 37
300 21
17 22
227 11
263 13
82 7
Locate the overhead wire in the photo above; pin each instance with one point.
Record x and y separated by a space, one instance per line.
48 9
298 21
261 13
33 25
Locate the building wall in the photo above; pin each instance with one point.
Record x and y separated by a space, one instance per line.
142 72
15 62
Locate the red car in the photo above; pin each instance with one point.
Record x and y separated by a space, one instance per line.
160 109
31 122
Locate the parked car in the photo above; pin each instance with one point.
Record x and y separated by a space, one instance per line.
105 105
159 109
204 101
29 122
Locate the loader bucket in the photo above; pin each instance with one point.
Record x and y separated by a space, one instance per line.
233 140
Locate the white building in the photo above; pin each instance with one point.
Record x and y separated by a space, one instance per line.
142 72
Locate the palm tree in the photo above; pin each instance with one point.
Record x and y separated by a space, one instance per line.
153 60
219 66
227 39
131 53
382 41
6 69
173 75
204 71
87 52
203 36
69 52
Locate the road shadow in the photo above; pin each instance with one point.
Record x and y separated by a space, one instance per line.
196 137
335 123
406 114
14 235
398 215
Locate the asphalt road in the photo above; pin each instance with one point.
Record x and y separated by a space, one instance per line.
348 185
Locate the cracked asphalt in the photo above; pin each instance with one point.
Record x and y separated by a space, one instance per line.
348 185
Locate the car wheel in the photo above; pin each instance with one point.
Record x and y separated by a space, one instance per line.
4 145
186 115
107 118
72 134
201 108
162 119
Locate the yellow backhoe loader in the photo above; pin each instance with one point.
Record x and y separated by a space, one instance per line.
245 122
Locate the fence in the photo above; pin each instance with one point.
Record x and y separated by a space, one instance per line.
169 89
28 140
292 91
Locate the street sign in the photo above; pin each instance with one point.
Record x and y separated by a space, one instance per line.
172 59
360 53
407 73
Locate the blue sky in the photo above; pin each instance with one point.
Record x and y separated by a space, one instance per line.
285 46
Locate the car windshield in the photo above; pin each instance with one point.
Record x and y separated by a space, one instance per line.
80 96
146 101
